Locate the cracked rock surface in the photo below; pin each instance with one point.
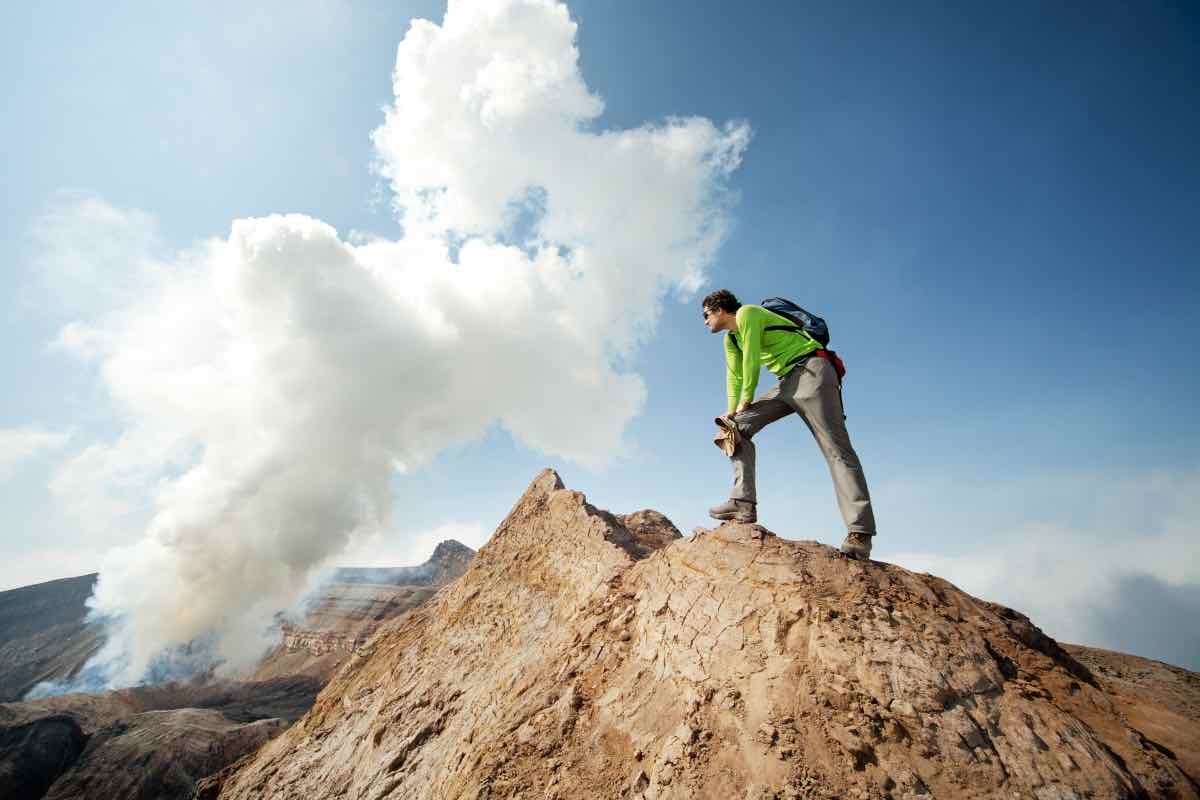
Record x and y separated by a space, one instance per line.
588 655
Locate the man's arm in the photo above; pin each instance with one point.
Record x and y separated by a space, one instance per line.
733 374
750 333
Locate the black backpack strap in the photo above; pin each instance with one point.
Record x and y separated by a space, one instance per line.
792 328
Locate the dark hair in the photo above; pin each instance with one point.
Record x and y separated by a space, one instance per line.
722 299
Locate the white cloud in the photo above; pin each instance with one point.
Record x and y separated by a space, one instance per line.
1090 583
89 255
270 381
20 444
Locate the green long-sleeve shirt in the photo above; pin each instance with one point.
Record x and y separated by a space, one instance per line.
754 346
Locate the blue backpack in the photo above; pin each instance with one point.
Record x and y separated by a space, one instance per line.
813 325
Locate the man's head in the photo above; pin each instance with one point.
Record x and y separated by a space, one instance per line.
720 309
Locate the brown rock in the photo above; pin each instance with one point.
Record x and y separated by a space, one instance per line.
1158 705
651 529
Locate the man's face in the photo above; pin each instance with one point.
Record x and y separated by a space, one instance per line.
713 319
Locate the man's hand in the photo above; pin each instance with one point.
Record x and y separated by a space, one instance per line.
729 414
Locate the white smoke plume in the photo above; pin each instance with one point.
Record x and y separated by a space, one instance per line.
272 382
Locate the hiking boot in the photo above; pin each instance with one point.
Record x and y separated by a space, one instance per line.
735 510
857 545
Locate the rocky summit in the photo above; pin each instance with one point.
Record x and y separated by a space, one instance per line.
585 655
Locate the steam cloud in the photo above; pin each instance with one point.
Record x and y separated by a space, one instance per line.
274 381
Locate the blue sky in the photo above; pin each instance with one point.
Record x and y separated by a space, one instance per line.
994 208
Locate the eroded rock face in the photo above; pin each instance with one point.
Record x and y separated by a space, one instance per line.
157 755
651 529
341 620
574 659
348 610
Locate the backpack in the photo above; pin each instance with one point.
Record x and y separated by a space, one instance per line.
813 325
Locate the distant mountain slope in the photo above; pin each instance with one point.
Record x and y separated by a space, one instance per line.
579 657
345 612
43 635
449 560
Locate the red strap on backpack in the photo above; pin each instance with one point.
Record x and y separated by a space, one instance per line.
838 365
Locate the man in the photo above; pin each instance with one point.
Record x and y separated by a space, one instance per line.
808 385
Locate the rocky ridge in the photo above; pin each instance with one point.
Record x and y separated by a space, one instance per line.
449 560
587 655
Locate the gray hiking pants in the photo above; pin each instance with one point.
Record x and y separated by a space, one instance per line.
810 390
